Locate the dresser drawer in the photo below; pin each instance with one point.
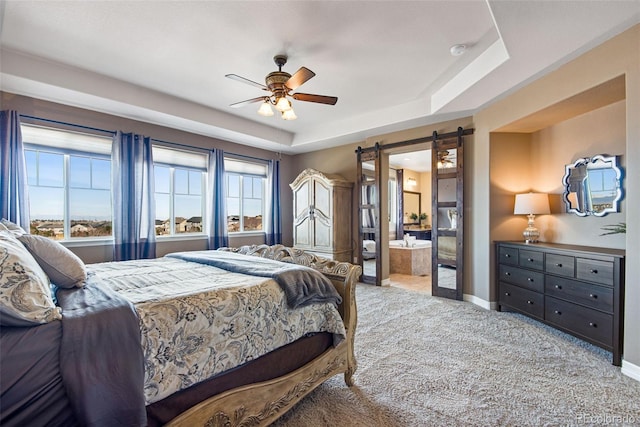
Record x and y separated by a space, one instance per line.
561 265
508 255
594 296
595 271
591 324
531 303
531 259
531 280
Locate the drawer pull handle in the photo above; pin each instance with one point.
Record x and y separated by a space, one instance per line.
507 256
558 287
530 259
507 274
559 265
594 271
529 302
529 279
507 294
594 325
558 312
594 296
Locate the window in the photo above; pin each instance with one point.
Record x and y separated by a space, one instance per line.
69 178
245 183
179 190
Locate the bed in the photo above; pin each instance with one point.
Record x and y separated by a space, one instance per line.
61 370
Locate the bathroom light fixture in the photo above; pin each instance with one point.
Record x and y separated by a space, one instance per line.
531 204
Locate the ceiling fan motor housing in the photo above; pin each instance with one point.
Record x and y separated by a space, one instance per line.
275 81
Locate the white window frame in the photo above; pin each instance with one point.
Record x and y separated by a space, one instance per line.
245 168
189 160
67 144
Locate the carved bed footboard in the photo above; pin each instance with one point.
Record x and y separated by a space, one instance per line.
262 403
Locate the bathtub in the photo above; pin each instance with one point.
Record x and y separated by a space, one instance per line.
412 243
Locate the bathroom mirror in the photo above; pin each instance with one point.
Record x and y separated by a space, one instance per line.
411 204
593 186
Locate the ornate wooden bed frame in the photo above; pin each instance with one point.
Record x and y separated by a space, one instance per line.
262 403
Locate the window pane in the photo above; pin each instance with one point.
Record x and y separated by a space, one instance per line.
247 187
195 182
101 174
46 207
257 187
89 205
163 223
233 214
188 211
252 214
50 168
181 181
162 177
79 172
32 167
233 186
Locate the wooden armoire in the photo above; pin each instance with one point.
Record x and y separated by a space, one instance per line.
322 206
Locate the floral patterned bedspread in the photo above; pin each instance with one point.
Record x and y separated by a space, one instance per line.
198 320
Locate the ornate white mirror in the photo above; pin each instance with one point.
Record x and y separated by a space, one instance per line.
593 186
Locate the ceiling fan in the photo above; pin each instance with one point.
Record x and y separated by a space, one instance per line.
446 159
281 84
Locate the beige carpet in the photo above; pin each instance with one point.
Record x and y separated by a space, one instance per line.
425 361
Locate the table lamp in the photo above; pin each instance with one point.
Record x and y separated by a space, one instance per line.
531 204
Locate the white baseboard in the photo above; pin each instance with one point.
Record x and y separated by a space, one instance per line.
385 282
631 370
480 302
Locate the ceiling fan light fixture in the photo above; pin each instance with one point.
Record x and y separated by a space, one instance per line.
289 114
265 109
283 104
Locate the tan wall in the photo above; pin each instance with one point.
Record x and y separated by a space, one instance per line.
522 162
52 111
615 57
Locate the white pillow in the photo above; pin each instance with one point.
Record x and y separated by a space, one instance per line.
15 229
25 296
63 267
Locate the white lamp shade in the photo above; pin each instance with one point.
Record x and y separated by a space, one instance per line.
289 114
265 109
283 104
531 203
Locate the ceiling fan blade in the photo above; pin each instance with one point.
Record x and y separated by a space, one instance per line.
247 81
301 76
248 101
321 99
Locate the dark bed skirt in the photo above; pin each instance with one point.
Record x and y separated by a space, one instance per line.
279 362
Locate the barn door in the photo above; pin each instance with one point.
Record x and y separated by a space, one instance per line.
447 235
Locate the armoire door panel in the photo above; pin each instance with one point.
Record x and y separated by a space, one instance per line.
302 233
322 195
323 235
301 201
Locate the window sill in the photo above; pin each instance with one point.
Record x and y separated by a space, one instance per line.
247 234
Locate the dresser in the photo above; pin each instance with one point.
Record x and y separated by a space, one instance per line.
322 206
577 289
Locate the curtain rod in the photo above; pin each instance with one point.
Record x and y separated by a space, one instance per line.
113 132
430 138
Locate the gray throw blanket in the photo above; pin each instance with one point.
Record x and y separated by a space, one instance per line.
101 359
301 285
